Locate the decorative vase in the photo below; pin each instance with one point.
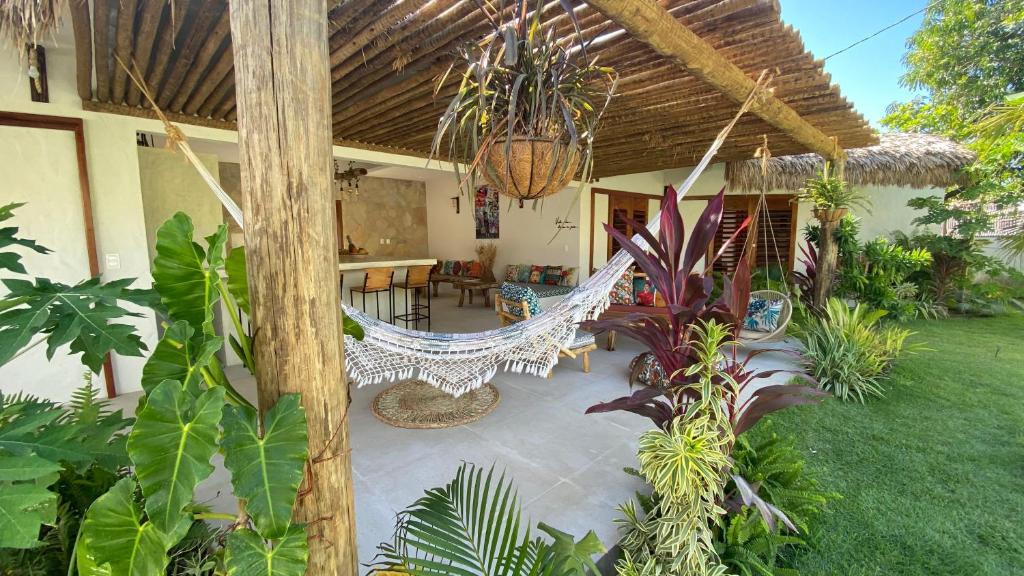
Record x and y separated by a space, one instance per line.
538 167
830 214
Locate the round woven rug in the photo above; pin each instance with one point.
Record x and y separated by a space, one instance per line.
416 404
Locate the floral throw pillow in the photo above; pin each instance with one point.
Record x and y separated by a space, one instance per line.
536 275
524 273
517 293
512 273
570 276
552 275
762 315
476 269
457 268
446 268
645 295
622 291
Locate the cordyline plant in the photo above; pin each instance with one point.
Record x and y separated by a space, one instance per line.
670 337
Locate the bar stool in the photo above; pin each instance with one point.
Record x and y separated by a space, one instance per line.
377 280
417 278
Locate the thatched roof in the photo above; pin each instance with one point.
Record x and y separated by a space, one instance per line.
386 57
914 160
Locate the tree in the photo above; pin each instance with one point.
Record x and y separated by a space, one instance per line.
968 57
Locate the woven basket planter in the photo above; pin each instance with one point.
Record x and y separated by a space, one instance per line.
830 215
535 170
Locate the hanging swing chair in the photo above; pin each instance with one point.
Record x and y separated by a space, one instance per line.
769 296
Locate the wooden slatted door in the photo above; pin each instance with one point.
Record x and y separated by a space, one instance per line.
775 232
623 211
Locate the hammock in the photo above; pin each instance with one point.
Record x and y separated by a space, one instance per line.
459 363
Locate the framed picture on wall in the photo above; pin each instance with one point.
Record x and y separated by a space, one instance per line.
485 213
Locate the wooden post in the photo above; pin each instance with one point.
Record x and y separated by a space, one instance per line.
284 135
828 257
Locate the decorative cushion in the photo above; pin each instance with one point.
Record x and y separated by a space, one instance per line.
446 267
457 268
476 270
645 370
552 275
581 339
622 291
569 276
524 273
762 315
512 273
645 295
466 265
517 293
536 275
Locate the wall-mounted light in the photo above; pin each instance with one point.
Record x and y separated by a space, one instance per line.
347 181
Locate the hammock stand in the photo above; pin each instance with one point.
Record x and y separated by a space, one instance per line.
459 363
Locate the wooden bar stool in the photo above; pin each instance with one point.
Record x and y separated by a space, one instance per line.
417 279
377 280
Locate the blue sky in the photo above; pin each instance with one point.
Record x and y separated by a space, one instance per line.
868 73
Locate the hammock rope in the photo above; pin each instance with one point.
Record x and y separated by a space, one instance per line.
461 362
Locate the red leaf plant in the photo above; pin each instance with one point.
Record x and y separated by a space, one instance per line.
687 295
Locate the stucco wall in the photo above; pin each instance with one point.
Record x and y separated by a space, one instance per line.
387 209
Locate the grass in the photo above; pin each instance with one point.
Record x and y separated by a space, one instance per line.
932 475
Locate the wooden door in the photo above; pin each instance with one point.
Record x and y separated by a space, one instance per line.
774 232
624 211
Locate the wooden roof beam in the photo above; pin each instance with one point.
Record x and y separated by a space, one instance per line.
653 25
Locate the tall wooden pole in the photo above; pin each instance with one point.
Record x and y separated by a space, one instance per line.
284 134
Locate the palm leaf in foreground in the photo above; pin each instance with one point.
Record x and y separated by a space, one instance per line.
471 527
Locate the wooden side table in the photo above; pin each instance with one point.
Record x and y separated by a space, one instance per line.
468 286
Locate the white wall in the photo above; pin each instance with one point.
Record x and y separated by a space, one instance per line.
526 235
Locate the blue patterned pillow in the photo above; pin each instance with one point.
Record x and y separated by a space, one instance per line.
446 267
762 315
518 294
524 273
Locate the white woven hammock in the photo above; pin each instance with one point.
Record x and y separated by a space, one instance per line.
459 363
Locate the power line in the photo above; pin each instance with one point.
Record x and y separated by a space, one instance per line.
893 25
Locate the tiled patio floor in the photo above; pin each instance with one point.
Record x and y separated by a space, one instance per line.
567 465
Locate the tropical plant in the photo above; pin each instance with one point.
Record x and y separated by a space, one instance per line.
849 351
828 191
54 462
687 295
471 526
522 79
879 275
82 316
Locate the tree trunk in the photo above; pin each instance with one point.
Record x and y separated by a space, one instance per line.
825 267
284 135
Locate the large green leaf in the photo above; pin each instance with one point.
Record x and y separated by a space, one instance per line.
171 445
25 501
266 471
238 280
114 533
12 260
185 275
80 316
180 355
249 555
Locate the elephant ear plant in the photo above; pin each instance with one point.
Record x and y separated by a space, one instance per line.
191 411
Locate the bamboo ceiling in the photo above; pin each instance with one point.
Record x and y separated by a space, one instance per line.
386 56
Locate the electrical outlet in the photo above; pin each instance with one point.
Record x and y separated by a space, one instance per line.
388 241
382 241
113 261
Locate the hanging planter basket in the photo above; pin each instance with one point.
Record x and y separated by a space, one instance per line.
830 214
535 167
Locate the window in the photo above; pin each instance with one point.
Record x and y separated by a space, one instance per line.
775 232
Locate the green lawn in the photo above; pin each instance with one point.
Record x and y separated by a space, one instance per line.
932 475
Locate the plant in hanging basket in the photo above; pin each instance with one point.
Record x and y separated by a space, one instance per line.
528 105
832 196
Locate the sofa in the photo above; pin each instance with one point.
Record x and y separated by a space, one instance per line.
545 281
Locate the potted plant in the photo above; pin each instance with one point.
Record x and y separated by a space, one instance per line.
528 106
832 196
